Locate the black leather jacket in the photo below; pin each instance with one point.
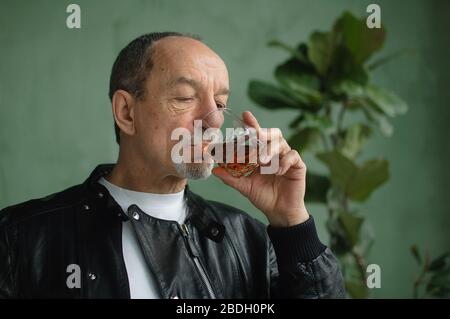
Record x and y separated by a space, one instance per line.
220 251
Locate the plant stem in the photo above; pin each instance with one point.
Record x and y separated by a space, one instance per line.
345 202
330 211
417 284
324 141
327 109
323 135
335 138
419 280
361 262
341 117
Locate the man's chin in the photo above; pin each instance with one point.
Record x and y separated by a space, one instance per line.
194 170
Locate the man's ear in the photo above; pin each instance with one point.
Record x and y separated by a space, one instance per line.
123 104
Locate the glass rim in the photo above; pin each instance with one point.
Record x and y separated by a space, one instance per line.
233 116
226 110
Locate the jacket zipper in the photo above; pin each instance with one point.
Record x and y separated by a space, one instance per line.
190 246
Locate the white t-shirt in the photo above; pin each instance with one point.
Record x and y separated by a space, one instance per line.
163 206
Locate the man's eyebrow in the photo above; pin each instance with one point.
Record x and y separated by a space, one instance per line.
223 91
185 80
196 85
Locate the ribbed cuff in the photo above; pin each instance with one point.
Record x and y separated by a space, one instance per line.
295 244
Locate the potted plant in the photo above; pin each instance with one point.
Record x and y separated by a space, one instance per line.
324 79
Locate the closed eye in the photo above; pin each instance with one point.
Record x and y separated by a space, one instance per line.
184 99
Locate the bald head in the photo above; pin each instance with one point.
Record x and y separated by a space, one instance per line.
175 50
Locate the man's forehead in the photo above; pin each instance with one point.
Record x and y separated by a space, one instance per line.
196 84
180 52
173 45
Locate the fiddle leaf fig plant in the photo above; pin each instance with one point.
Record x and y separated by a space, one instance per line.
324 79
434 278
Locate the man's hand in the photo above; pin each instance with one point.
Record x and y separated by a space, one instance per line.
279 196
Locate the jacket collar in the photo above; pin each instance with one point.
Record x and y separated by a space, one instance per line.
200 212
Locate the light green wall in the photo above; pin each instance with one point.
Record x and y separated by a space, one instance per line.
56 126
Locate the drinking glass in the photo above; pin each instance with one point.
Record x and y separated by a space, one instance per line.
234 144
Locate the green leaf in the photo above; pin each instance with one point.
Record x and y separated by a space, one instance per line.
349 89
355 281
439 283
377 118
355 138
297 78
298 54
296 122
371 175
293 71
342 169
321 122
415 252
306 139
310 98
367 239
357 289
344 68
352 225
357 182
311 120
317 187
339 242
320 50
271 97
440 262
361 41
387 102
371 97
389 58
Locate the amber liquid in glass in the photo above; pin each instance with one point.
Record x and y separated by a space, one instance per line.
238 167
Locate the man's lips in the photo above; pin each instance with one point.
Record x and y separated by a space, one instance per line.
203 146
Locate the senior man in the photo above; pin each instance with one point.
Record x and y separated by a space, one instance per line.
134 229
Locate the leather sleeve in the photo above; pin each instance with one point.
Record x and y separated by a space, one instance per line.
6 267
301 266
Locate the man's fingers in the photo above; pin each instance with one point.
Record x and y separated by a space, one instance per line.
273 144
266 135
290 159
251 120
229 179
273 148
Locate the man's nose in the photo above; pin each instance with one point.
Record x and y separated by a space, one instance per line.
212 117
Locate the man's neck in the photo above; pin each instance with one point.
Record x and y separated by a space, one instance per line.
144 179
